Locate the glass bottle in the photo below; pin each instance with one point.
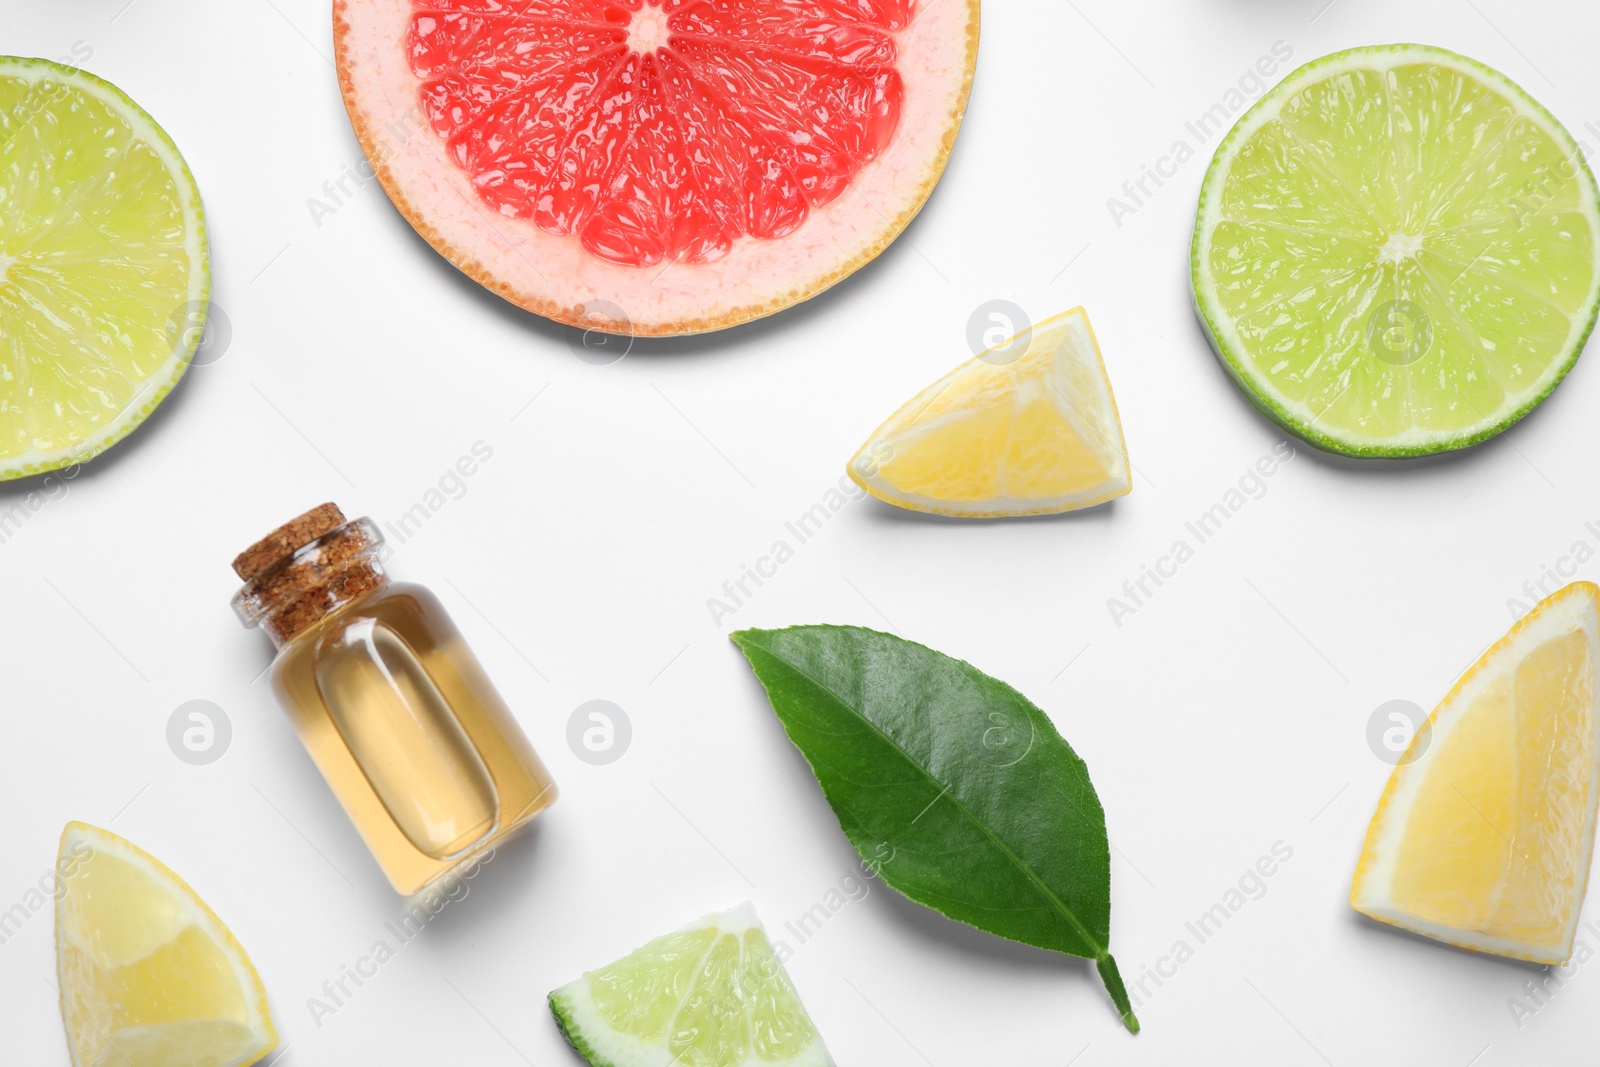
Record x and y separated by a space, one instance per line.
391 703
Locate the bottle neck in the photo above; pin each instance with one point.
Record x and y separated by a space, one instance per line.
295 592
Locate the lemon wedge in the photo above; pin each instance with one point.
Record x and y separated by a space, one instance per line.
1006 434
1483 837
149 976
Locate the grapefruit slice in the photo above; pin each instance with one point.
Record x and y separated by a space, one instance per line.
657 166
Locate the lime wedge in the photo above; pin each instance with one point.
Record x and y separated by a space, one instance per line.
714 994
103 266
1396 252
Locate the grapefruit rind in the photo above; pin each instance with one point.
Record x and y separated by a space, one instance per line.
551 275
1575 607
156 386
1219 328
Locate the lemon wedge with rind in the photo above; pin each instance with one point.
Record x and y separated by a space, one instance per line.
713 994
104 271
148 975
1397 252
1484 834
1005 435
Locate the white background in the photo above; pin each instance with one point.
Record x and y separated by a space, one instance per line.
1228 714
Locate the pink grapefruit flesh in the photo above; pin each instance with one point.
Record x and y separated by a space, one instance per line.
657 166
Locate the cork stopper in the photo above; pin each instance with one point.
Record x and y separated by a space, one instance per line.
306 569
282 542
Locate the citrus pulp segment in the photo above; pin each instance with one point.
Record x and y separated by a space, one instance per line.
713 994
1483 837
148 975
657 166
104 273
1397 252
1006 434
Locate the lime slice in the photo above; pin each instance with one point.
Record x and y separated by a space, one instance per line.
103 266
713 994
149 976
1396 252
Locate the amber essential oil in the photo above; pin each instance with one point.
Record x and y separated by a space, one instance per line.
390 702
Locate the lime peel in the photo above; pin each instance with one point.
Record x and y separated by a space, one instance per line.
712 994
104 266
1506 295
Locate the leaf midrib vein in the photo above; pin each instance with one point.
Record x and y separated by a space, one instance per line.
1033 877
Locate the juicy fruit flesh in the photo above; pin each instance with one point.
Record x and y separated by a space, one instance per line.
712 998
660 132
148 978
709 995
998 436
1403 254
94 265
1494 840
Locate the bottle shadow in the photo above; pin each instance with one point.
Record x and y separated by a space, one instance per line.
471 903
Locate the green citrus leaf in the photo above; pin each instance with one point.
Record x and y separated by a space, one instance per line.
954 787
